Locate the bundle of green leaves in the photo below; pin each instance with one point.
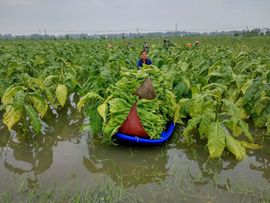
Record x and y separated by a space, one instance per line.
120 97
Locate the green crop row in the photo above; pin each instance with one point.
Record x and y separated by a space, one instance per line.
219 87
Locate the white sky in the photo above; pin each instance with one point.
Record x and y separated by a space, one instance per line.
92 16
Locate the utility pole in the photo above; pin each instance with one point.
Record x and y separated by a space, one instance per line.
45 33
175 27
137 32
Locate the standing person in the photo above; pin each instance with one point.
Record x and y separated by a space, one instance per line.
146 47
129 45
143 59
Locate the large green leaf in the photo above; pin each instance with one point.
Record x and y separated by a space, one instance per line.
238 127
262 103
245 128
49 80
216 139
233 110
232 124
19 100
94 118
39 103
35 82
10 93
248 145
235 147
204 125
61 94
192 124
34 118
119 106
112 126
11 116
50 97
86 98
102 110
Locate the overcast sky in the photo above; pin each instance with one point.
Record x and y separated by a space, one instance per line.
92 16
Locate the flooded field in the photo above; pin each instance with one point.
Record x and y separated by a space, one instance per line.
62 99
67 162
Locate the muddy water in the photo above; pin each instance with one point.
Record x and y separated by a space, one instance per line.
65 157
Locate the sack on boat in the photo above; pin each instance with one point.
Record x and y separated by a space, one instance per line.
133 125
146 90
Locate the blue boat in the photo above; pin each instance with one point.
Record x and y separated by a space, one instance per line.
165 135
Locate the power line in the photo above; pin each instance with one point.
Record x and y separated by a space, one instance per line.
142 29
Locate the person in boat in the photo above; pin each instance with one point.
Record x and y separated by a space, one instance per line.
143 59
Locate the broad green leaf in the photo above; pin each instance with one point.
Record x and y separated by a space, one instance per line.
61 94
11 116
183 66
196 105
248 145
10 93
204 126
34 118
19 100
216 139
233 110
48 80
119 106
86 98
182 88
232 124
195 89
192 124
246 86
261 104
32 82
39 104
102 110
50 97
113 125
235 147
238 126
94 118
245 129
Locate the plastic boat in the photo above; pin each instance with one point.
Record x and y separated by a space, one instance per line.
133 139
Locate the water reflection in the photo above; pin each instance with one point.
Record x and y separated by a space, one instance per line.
262 161
34 156
128 165
210 169
202 169
38 155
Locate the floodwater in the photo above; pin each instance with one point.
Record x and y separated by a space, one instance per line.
66 157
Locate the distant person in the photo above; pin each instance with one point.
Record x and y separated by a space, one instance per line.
189 45
143 59
168 43
146 47
196 44
165 43
110 46
129 45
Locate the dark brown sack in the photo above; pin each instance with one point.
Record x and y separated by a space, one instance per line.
146 90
